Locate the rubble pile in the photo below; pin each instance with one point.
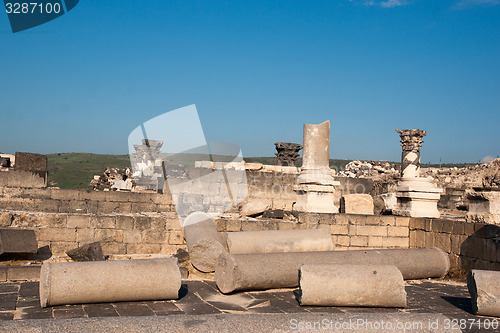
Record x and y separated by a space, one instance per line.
365 169
479 175
113 179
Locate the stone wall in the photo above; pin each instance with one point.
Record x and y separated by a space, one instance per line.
80 201
20 178
469 245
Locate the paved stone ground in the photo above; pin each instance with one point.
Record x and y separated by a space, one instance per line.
21 301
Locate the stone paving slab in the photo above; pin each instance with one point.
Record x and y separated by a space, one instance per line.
20 301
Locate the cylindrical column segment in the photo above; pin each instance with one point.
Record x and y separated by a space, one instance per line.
411 141
203 241
109 281
281 270
352 285
270 241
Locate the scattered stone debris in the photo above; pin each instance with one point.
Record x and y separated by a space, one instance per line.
87 252
365 169
114 179
254 208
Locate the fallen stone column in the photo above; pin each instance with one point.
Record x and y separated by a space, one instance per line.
203 242
484 290
352 285
280 270
278 241
109 281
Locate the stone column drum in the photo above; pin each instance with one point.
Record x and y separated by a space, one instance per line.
416 196
352 285
484 289
109 281
270 241
315 189
281 270
203 241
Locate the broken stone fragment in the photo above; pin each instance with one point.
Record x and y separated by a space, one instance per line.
87 252
484 289
254 208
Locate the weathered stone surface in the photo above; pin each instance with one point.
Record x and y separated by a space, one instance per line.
352 285
31 162
357 204
280 270
484 289
17 243
484 206
270 241
109 281
254 208
384 203
203 241
87 252
315 189
287 153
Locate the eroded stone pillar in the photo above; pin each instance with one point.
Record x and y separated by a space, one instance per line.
416 196
261 271
272 241
352 285
203 241
411 141
109 281
316 186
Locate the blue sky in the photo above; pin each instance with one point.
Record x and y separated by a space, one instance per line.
257 71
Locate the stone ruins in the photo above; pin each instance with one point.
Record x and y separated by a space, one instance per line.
343 237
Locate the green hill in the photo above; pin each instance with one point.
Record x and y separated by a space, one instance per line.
76 170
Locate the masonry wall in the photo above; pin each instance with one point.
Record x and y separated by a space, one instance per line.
469 245
21 178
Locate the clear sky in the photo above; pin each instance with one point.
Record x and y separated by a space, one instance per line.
257 71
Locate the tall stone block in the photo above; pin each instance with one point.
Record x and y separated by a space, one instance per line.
484 206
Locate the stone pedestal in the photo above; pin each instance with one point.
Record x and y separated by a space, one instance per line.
287 153
316 186
484 206
416 196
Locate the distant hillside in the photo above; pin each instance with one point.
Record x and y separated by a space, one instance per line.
76 170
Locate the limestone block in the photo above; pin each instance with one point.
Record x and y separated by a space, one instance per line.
356 204
18 242
109 281
484 206
352 285
484 289
270 241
